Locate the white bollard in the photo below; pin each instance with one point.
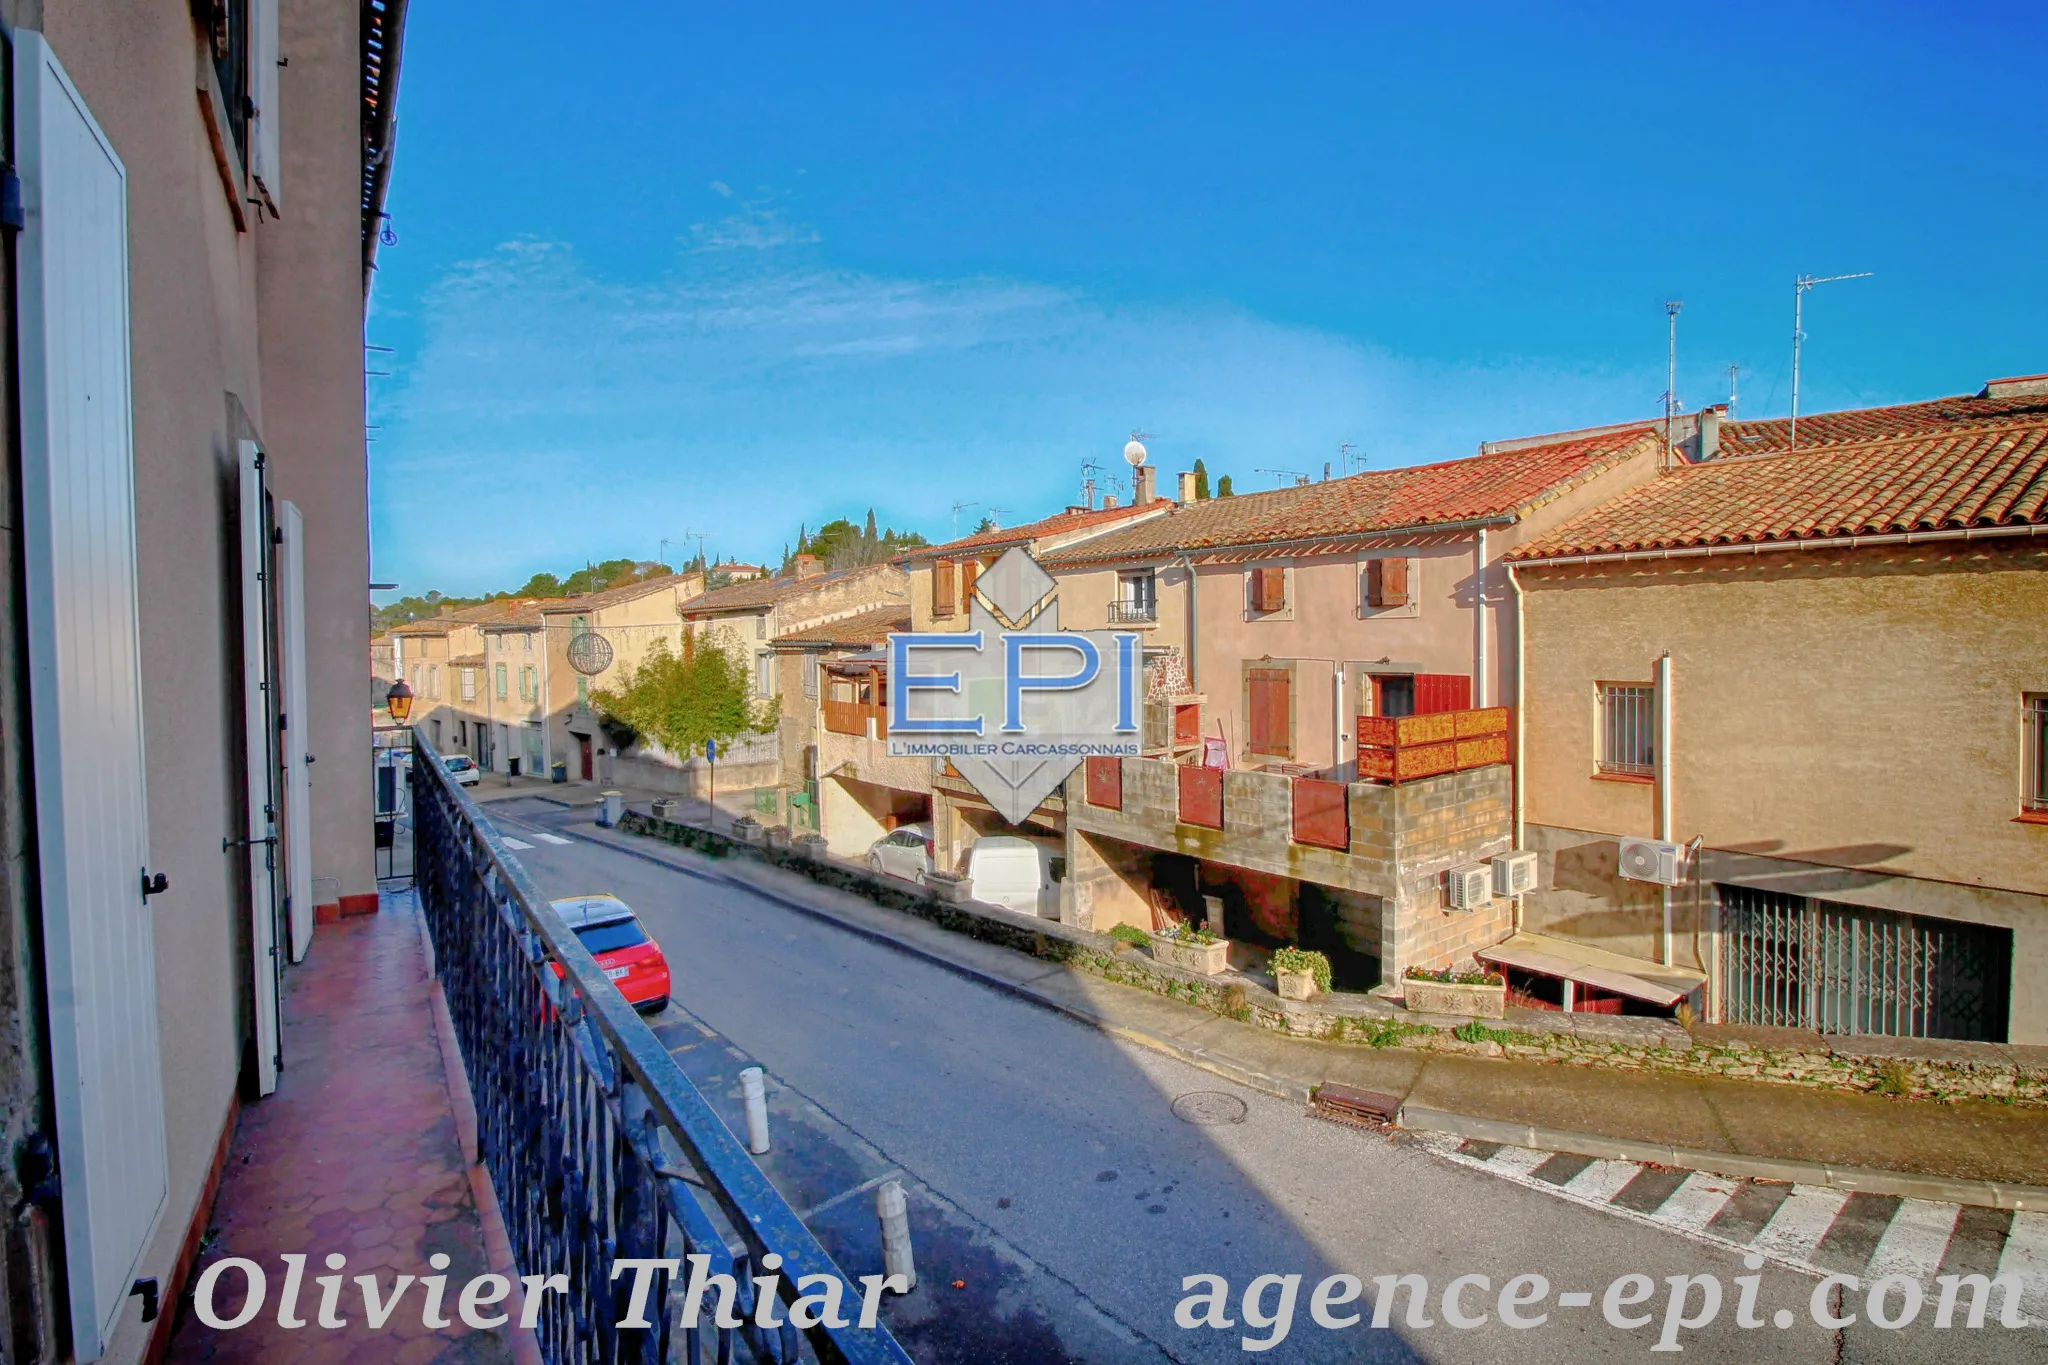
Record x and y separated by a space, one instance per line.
754 1086
893 1210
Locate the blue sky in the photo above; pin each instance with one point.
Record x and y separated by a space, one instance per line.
728 269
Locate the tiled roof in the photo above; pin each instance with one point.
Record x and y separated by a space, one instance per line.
1045 528
477 615
1977 476
467 661
852 632
611 597
766 592
1498 484
1823 429
525 616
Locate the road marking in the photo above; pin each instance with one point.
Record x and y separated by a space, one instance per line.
1695 1203
1601 1181
1516 1160
511 842
547 838
2026 1255
1800 1222
840 1198
1914 1243
1651 1187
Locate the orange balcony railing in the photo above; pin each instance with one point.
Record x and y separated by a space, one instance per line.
1404 748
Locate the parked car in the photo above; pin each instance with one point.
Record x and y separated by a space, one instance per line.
463 769
905 852
1015 873
632 960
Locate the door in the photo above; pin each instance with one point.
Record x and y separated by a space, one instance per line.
583 753
262 781
85 690
293 736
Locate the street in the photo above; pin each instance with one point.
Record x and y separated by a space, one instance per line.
1064 1183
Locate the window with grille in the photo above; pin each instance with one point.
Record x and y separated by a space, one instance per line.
2035 754
1628 729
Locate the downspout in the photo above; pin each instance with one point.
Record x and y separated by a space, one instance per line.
1518 721
547 714
1482 689
1194 612
1664 789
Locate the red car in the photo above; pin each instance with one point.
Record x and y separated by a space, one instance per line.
622 948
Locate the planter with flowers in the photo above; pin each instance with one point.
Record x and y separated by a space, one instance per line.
1479 995
1302 974
1191 948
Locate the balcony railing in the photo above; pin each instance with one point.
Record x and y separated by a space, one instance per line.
1404 748
1133 613
852 717
599 1147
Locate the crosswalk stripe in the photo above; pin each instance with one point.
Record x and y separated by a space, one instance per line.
1651 1187
511 842
1693 1205
1800 1222
1914 1241
1853 1236
547 838
1562 1168
2026 1255
1748 1212
1602 1180
1978 1242
1516 1160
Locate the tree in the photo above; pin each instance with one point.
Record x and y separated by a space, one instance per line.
541 585
1223 487
1201 481
987 523
681 700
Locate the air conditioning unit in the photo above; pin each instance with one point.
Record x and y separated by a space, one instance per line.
1652 860
1514 874
1470 886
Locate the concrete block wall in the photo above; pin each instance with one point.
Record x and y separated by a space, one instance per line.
1444 823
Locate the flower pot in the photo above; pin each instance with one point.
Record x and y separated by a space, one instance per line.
1295 985
1204 959
1446 997
664 808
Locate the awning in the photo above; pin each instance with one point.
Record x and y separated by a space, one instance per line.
1615 973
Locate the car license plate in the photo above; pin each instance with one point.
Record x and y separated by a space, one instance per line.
614 973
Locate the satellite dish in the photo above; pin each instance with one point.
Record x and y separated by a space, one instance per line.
1134 454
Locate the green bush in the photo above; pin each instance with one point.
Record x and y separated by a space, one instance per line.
1304 960
1131 934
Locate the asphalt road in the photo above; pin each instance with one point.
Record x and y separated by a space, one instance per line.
1053 1182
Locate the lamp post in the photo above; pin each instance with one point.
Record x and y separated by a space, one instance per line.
398 701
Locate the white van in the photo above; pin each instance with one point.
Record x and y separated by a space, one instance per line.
1017 874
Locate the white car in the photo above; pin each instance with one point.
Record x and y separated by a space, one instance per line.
1017 874
904 852
463 770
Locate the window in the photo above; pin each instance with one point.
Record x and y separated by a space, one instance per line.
1269 588
529 686
500 677
1386 583
764 675
468 684
2035 712
433 680
761 627
942 588
230 25
1137 597
528 639
810 676
1269 712
1628 729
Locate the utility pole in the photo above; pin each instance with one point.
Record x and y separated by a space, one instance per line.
1799 288
1671 307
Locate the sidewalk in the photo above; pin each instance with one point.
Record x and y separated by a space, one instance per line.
1975 1152
357 1152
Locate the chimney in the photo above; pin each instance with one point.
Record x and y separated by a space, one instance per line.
1187 486
1709 435
1141 485
1108 501
807 566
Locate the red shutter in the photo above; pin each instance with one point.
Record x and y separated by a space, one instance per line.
1387 582
1267 701
1436 692
1105 782
942 588
1269 589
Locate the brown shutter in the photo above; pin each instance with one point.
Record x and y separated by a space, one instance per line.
969 573
942 588
1267 701
1387 582
1269 589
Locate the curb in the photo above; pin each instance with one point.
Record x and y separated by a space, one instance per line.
1418 1118
1849 1179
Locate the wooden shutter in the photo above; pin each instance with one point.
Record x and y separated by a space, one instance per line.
942 588
970 574
265 164
1387 582
1270 712
1269 588
1436 692
296 737
260 752
85 690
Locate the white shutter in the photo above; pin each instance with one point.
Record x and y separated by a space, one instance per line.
263 54
260 750
297 732
85 689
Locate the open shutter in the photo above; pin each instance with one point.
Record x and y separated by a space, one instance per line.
970 574
1436 692
260 769
293 734
942 588
1387 582
1270 706
85 689
264 164
1269 588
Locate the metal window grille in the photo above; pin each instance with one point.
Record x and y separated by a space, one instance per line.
1790 962
1628 729
2035 740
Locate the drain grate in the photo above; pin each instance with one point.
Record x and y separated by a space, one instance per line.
1209 1108
1359 1108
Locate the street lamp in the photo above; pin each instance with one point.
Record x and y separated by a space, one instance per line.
398 701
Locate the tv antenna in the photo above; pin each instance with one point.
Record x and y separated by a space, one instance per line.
996 513
1090 468
1346 457
1294 474
1671 307
1799 288
958 508
1733 371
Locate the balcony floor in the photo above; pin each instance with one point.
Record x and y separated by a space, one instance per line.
359 1152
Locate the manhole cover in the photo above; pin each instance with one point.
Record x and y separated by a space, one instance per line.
1209 1108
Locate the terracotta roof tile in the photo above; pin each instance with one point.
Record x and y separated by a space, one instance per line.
1972 476
766 592
1496 484
611 597
1045 528
1823 429
852 632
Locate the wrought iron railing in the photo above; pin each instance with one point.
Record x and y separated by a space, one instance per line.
600 1149
1133 613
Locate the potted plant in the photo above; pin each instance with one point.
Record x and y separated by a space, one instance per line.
1302 973
1191 948
664 807
1478 994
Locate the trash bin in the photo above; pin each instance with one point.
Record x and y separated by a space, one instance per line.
561 773
614 806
